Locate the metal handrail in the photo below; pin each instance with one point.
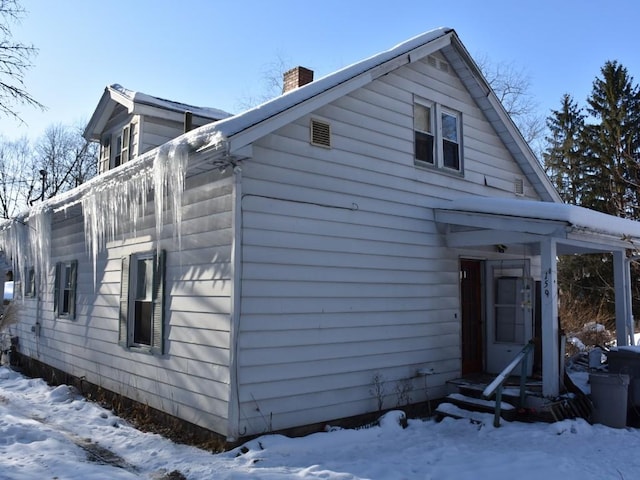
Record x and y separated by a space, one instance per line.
497 385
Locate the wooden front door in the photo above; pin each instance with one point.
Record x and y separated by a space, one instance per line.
472 316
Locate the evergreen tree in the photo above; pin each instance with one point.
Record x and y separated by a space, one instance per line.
563 158
612 143
596 165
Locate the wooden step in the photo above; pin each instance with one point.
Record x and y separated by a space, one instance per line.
446 409
472 404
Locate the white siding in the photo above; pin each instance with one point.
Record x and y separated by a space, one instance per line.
191 380
345 274
156 131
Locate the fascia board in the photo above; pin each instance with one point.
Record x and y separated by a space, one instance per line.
98 121
433 46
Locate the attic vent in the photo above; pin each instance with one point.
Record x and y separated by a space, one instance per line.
519 186
320 133
437 63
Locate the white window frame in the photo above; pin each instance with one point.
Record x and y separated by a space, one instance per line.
437 112
451 113
126 144
105 153
66 286
129 301
121 144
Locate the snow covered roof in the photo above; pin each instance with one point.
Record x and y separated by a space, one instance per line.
238 123
575 217
242 129
143 98
118 95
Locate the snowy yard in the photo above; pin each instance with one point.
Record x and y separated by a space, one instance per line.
52 433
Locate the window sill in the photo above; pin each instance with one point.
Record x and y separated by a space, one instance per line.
433 168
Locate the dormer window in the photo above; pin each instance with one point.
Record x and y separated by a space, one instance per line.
105 153
117 161
116 148
123 143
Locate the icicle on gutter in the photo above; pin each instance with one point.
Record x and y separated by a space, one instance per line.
111 203
27 242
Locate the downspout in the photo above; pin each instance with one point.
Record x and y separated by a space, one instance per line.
233 428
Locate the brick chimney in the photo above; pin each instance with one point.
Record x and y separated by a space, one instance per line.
296 77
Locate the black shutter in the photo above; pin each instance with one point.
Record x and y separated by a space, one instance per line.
124 303
56 288
74 287
157 336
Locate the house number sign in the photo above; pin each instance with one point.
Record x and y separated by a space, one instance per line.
546 283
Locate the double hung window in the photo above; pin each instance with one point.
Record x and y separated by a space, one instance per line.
64 301
117 148
142 302
436 136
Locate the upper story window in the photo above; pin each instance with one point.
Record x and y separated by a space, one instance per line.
437 136
423 122
450 139
116 148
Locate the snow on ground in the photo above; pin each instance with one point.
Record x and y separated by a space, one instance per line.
53 433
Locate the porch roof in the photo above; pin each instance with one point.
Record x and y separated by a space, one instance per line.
478 221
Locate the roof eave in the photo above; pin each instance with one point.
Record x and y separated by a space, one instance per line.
504 125
251 132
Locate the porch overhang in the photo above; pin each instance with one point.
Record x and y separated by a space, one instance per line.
474 221
548 230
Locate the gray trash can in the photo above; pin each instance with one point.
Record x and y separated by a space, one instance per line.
627 360
609 392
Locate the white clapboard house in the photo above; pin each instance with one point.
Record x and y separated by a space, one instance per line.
308 259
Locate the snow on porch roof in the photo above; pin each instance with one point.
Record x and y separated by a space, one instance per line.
578 217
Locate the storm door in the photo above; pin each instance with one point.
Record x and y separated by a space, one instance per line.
510 301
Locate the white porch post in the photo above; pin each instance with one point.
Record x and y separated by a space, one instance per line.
622 282
550 329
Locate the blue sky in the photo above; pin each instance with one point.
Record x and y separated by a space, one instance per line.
214 53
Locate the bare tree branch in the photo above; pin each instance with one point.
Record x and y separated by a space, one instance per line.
512 86
15 60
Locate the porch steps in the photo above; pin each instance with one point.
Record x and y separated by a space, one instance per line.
571 405
457 405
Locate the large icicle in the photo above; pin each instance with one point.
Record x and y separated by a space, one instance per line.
39 235
109 206
113 204
28 243
13 241
169 171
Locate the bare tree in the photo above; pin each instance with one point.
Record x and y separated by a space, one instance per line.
15 60
512 86
66 157
272 81
18 182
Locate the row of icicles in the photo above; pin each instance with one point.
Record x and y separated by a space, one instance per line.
111 205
